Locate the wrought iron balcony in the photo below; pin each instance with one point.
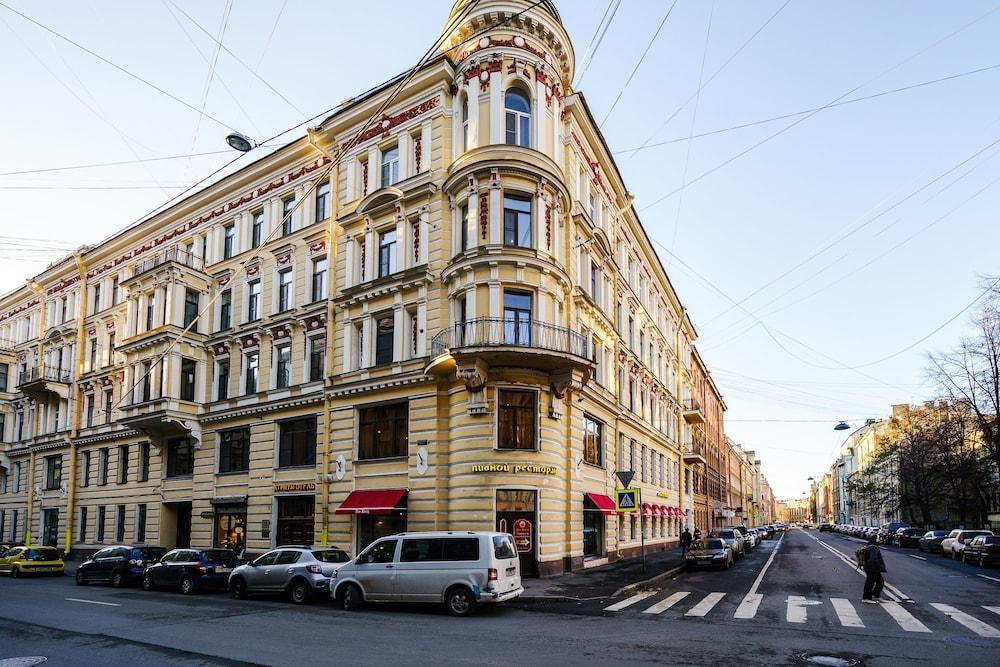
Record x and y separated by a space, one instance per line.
39 382
496 332
692 411
694 452
176 255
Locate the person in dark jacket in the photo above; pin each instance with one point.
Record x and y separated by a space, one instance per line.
874 566
685 541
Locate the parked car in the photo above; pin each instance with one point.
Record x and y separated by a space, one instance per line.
5 547
982 549
767 532
963 538
887 532
825 527
948 541
460 569
19 561
302 573
748 535
931 541
908 537
119 565
191 570
713 552
734 539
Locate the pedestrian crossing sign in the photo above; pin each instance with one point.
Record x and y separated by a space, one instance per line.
627 500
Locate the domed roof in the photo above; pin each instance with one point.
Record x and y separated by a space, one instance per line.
461 5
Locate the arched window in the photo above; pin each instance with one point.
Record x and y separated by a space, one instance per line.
465 123
518 116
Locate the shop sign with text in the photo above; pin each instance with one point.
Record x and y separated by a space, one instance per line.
514 468
282 487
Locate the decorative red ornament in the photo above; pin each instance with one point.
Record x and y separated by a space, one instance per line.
548 226
388 122
484 214
416 242
418 143
364 178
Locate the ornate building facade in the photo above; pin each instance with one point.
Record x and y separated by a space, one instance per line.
438 310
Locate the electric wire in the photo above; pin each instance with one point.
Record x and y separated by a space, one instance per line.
590 58
270 35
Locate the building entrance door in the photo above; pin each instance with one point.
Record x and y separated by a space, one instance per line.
182 512
517 515
50 528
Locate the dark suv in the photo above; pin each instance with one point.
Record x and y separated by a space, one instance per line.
909 537
191 570
119 565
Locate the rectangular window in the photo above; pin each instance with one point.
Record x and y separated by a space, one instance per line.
257 229
253 301
287 216
82 533
383 431
595 283
120 524
4 376
188 367
53 472
180 457
102 518
226 309
297 443
86 469
222 379
317 358
284 290
97 297
283 366
150 310
111 349
93 354
102 465
517 221
140 523
390 166
319 279
228 241
516 419
387 253
144 462
516 318
108 406
234 450
115 294
322 201
384 340
123 461
251 373
593 441
191 309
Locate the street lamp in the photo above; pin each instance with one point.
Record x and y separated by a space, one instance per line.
240 142
842 426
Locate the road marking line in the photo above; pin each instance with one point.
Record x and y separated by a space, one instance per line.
796 609
846 613
990 578
106 604
628 602
706 604
995 610
894 593
748 608
917 557
905 619
760 576
971 622
664 605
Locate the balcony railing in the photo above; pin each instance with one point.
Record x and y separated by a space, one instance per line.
47 373
500 332
169 255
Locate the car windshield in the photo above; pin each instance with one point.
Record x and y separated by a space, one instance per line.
41 554
713 544
331 556
219 556
727 534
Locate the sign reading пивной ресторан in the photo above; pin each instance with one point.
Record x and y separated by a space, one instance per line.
514 468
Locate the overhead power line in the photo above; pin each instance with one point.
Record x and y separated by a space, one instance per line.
117 67
590 59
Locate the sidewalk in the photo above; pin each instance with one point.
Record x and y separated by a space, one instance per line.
606 580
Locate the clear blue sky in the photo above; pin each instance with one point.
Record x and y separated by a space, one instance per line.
735 230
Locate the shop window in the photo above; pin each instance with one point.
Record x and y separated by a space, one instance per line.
383 431
230 527
593 442
373 527
517 110
297 443
593 529
517 419
234 450
296 520
180 457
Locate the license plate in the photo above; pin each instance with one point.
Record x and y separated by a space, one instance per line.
223 570
511 571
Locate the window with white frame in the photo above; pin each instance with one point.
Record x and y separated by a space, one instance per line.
387 252
517 109
284 290
390 166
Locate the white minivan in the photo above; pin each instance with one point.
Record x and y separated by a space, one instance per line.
459 569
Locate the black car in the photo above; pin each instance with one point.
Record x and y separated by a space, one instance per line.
931 541
909 537
119 565
825 527
191 570
982 549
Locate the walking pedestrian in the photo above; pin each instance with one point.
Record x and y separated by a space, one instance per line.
870 559
685 542
697 534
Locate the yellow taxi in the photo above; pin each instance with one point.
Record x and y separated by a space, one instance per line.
20 561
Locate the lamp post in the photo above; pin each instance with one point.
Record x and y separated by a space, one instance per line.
240 142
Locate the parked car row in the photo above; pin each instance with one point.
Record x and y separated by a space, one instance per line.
969 546
724 546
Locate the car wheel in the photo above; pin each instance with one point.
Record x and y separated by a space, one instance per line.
117 580
81 579
299 592
238 589
187 586
460 601
147 582
351 598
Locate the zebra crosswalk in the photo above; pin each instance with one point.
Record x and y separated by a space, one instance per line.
802 610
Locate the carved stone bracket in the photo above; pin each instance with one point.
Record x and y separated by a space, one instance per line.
474 375
562 384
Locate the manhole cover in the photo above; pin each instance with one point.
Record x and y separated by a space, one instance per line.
23 661
829 660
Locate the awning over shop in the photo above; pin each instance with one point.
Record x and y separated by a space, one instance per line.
602 502
647 509
374 501
664 510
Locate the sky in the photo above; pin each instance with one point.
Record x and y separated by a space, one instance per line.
821 256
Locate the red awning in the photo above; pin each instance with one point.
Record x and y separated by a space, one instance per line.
602 502
647 509
656 510
664 510
668 511
673 511
374 501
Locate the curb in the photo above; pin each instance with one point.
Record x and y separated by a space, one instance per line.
648 582
556 598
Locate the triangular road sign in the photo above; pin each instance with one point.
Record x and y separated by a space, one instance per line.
625 477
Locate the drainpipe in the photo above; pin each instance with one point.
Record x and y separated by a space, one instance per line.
331 234
75 394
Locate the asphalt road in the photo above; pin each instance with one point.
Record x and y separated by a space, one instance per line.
794 614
